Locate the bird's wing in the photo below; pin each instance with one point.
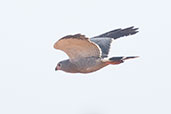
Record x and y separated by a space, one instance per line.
104 40
117 33
104 44
78 46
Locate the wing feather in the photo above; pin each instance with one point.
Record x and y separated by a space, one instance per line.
77 46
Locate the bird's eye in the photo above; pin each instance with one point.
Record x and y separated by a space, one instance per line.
59 65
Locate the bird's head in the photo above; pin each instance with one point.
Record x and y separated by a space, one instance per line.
66 66
59 66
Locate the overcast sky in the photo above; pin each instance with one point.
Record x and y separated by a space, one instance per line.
30 85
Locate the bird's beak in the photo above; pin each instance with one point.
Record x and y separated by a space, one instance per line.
56 68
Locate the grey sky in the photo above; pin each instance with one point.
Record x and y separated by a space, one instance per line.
30 85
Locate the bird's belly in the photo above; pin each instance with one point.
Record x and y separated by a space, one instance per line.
92 68
89 64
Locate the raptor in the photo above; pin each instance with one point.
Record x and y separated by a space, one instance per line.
90 54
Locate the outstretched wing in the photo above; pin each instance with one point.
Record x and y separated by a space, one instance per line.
77 46
104 40
104 44
117 33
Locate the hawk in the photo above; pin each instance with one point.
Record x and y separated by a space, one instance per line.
90 54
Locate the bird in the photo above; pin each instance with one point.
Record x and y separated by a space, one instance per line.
88 55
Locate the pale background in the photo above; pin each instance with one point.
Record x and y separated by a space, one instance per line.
30 85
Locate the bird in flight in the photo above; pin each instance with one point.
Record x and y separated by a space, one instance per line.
90 54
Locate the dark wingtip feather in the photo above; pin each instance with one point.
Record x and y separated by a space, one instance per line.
117 33
129 31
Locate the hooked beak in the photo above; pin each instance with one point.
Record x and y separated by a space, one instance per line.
56 68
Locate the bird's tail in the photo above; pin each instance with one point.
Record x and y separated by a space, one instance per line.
118 60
